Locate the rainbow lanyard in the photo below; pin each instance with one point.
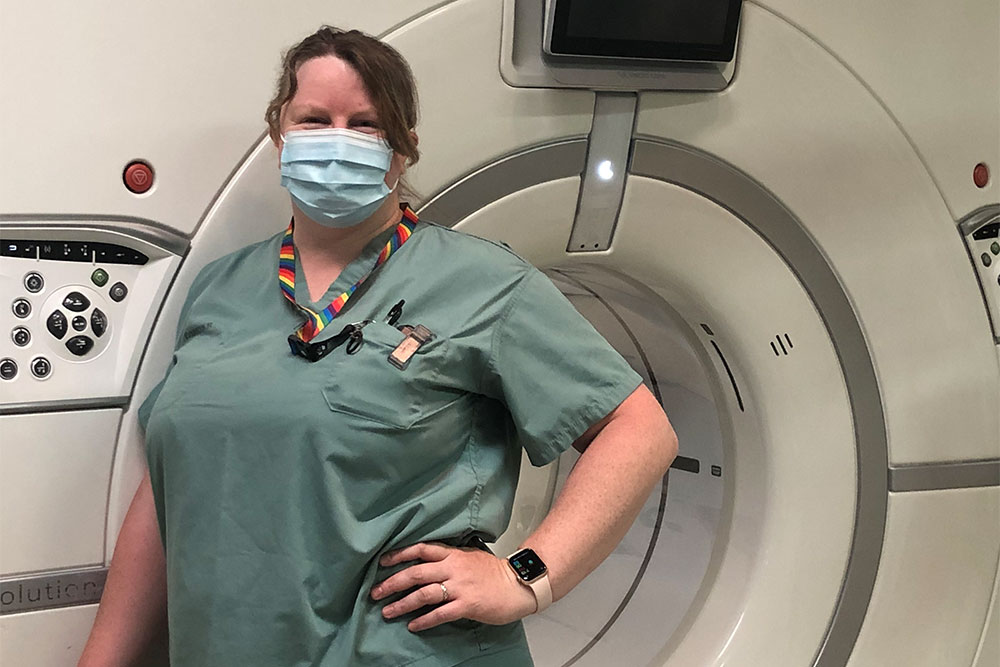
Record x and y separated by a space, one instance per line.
315 322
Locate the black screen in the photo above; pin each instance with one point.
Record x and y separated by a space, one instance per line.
656 29
527 564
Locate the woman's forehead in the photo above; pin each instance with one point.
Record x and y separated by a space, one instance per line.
327 82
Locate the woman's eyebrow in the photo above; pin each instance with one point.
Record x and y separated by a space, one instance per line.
309 110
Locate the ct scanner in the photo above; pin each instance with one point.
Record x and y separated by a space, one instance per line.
797 250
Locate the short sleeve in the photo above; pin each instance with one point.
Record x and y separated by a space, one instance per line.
555 373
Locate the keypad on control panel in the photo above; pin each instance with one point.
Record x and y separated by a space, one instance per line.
76 317
74 343
60 310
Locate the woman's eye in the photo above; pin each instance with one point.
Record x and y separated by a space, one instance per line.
313 120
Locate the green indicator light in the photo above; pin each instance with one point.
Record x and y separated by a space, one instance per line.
995 248
100 277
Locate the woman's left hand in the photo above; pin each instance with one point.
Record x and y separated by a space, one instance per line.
479 586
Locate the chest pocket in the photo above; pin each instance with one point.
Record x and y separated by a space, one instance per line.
366 385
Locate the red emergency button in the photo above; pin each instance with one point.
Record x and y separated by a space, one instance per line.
138 177
981 175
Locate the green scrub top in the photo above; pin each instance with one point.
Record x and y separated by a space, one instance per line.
279 482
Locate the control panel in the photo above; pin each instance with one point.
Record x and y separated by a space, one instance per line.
76 305
982 237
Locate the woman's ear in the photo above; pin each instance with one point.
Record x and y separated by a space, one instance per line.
416 141
276 134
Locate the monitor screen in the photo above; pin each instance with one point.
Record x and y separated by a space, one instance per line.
694 30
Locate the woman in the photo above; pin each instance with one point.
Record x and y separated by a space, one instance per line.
322 497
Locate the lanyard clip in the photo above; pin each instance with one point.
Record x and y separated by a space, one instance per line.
351 334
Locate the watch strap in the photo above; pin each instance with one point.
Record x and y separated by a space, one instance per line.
542 589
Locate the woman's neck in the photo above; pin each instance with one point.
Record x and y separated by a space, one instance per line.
323 252
343 244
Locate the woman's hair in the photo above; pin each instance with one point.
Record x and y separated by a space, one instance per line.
386 77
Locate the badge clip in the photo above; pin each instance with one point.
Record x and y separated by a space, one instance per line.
415 337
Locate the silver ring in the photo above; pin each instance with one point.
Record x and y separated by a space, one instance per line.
445 591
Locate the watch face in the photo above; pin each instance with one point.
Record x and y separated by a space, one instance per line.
527 565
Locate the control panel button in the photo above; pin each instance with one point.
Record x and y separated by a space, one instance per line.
76 302
99 277
21 308
987 260
80 345
41 368
79 323
8 369
21 336
56 324
995 248
118 291
33 282
98 322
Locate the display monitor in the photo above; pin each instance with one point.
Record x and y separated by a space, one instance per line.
675 30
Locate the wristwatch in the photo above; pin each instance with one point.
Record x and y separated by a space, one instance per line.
531 571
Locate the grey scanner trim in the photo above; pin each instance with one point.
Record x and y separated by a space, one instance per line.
751 202
16 591
64 406
600 198
563 158
937 477
139 228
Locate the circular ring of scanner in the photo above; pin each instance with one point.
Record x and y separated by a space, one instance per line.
138 177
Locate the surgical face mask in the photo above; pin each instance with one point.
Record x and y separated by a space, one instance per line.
335 176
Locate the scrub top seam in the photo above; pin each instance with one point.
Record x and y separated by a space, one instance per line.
496 244
498 330
471 447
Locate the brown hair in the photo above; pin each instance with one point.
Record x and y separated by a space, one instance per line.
386 76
